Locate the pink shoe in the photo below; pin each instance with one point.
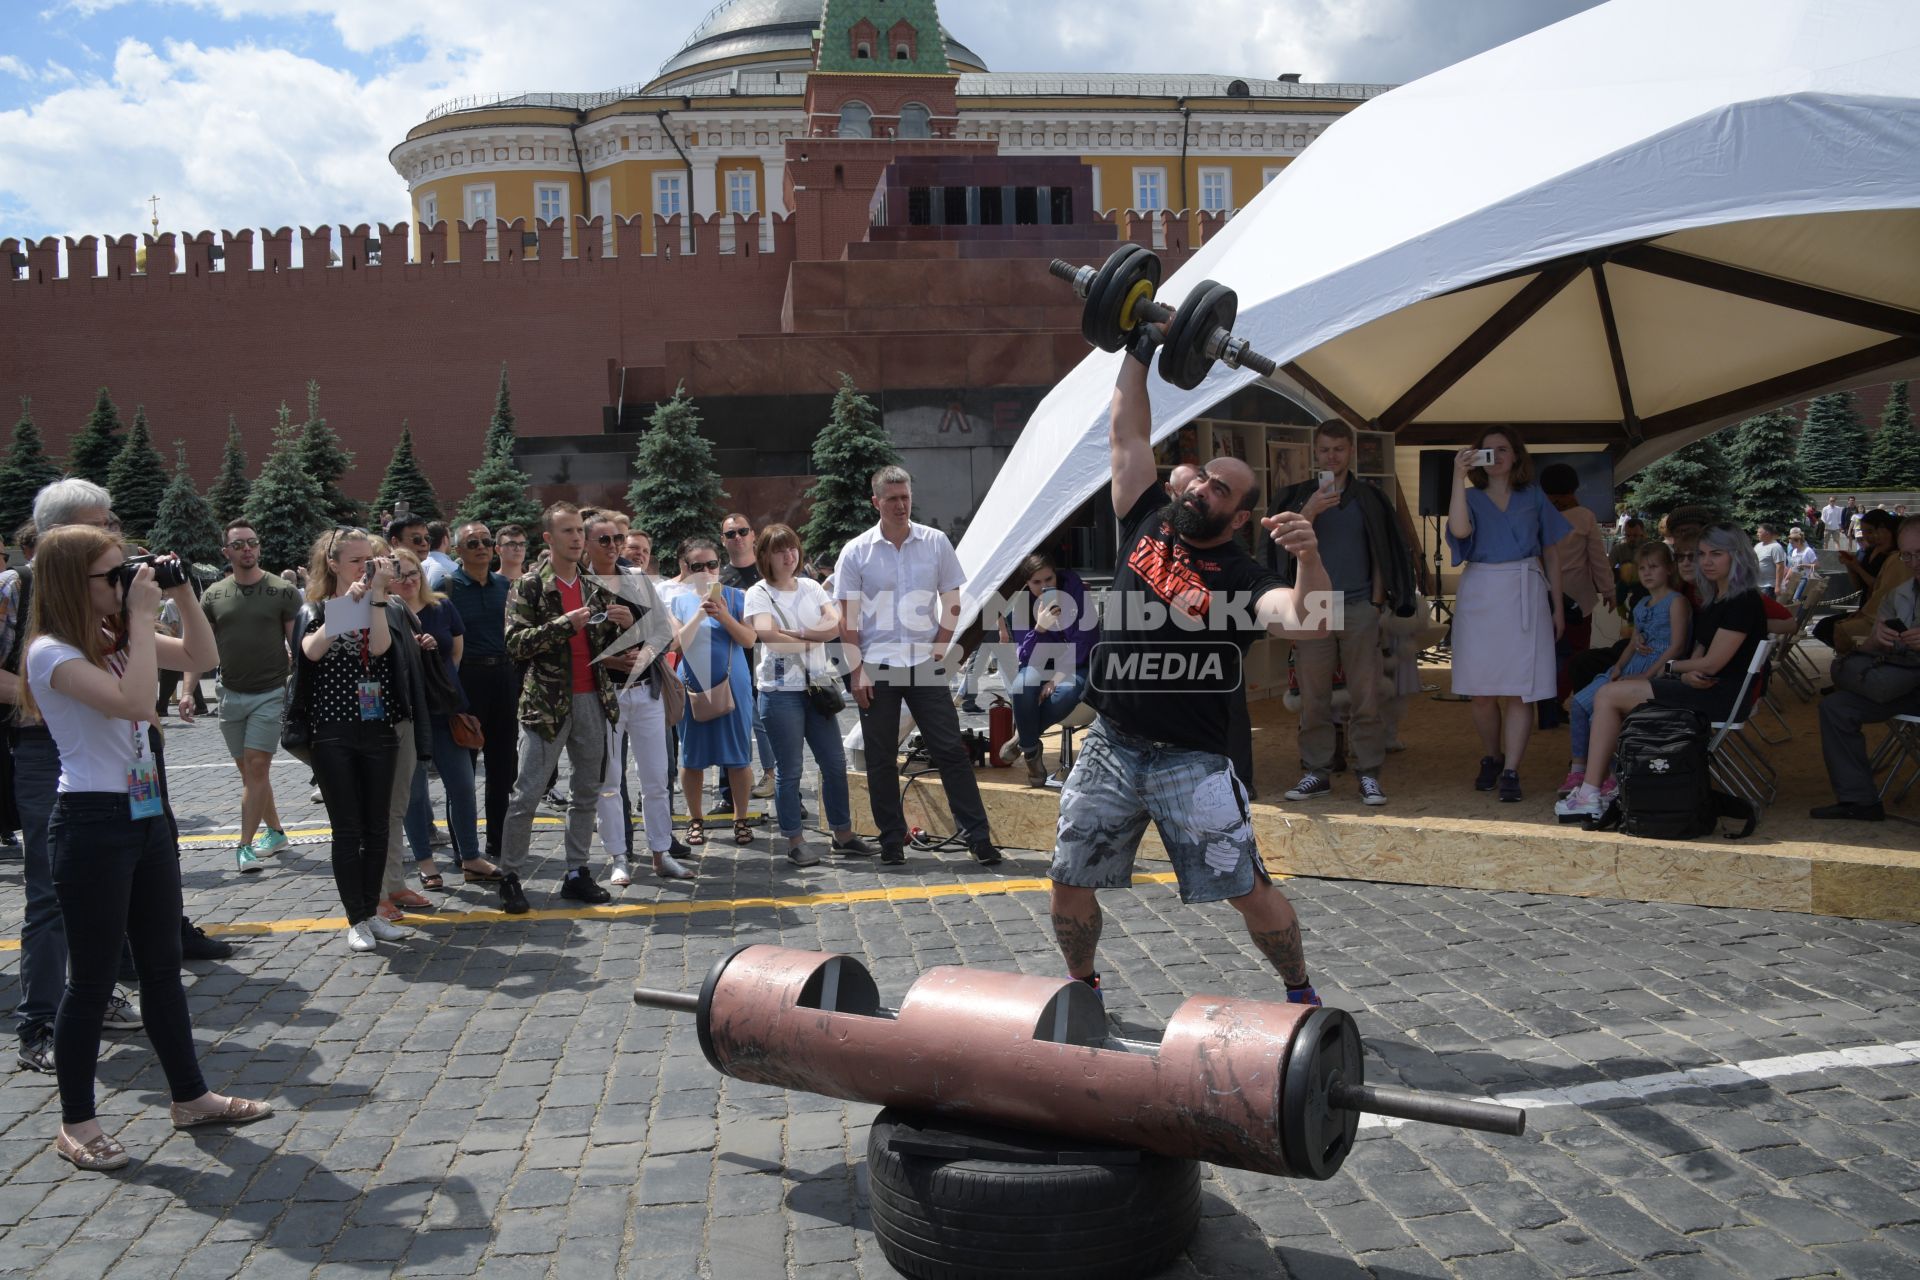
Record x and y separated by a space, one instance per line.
1571 783
1608 790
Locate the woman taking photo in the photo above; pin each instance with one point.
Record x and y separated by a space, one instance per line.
792 616
352 699
714 639
441 635
1729 626
116 862
1053 651
1507 611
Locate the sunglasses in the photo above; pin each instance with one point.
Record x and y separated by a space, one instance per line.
703 566
738 533
244 544
607 539
474 544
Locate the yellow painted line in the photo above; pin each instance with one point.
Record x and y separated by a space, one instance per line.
643 910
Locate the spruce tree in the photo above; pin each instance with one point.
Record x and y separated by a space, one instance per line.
137 479
1693 475
228 497
185 524
284 503
1894 460
500 434
676 493
406 481
1766 478
25 472
90 454
326 460
1833 443
846 453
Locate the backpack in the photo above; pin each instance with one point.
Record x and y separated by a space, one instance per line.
1666 784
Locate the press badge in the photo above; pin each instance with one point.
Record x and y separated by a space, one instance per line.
373 705
143 788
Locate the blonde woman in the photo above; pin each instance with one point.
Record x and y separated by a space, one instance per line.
116 862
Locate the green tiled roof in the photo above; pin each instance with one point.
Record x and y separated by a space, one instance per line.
841 16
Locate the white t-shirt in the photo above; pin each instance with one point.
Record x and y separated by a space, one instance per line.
95 750
800 609
1832 514
1804 557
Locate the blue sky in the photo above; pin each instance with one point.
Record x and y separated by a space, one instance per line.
281 112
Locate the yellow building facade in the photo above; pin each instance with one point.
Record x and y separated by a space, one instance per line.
709 133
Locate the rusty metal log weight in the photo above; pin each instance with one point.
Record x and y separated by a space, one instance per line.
1272 1087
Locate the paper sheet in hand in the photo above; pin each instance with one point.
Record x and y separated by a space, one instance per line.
345 614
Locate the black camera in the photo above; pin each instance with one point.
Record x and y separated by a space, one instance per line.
167 572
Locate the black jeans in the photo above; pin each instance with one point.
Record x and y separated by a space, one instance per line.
354 763
104 862
493 696
924 690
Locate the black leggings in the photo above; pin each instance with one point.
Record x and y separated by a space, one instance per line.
354 762
105 861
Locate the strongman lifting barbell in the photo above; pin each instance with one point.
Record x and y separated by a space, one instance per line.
1119 299
1272 1087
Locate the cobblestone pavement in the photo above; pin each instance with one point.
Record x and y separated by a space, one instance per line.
1717 1093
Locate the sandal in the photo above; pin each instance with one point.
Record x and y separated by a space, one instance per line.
433 880
408 900
237 1111
98 1156
696 831
492 875
742 831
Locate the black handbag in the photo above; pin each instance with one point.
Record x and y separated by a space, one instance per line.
296 729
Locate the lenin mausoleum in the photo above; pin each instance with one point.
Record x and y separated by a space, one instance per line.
803 189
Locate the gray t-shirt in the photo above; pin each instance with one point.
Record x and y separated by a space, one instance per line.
1771 556
1343 547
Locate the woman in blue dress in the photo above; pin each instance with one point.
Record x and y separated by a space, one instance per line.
1506 613
714 641
1662 629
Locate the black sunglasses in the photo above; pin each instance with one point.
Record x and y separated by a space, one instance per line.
474 544
703 566
607 539
738 533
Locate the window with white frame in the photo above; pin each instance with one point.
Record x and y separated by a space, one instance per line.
429 211
669 194
1268 175
550 202
480 208
1149 189
743 196
1216 190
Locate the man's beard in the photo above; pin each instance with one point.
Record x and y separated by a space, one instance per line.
1195 525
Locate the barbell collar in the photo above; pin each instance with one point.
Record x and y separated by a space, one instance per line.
1406 1104
1081 278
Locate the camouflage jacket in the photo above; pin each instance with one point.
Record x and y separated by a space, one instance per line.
539 635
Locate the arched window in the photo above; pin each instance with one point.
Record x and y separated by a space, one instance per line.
902 54
856 120
863 50
916 121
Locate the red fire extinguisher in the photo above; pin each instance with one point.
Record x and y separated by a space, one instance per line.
999 730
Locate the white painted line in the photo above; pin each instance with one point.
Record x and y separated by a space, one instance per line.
1723 1076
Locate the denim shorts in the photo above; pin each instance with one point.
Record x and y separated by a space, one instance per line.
1119 782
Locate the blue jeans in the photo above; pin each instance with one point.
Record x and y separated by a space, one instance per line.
43 933
1034 715
1580 721
794 726
455 764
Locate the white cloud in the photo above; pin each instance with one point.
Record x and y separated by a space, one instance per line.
245 134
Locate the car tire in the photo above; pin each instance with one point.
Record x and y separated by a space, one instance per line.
958 1201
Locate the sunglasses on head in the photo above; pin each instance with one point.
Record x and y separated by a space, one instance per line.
703 566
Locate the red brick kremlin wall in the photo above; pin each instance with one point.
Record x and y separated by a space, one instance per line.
416 341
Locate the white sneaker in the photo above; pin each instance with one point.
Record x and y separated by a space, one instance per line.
619 876
359 937
1583 802
386 930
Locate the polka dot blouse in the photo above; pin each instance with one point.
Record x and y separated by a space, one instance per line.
336 690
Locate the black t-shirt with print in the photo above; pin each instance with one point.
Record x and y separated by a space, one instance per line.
1165 680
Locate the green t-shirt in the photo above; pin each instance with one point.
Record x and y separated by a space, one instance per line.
250 626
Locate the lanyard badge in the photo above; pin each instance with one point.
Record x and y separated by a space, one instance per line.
143 782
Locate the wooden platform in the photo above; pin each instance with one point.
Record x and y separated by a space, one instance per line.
1436 829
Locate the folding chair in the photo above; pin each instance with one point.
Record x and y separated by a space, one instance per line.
1899 753
1795 668
1736 762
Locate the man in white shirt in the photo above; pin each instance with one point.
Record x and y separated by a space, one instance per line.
901 583
1833 518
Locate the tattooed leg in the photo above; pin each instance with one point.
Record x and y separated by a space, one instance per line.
1274 929
1076 927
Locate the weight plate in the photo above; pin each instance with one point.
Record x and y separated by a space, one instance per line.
1183 358
1109 297
1316 1136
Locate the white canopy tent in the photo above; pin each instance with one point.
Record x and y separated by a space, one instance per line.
1627 229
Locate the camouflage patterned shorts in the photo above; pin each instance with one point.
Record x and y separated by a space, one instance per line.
1119 782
